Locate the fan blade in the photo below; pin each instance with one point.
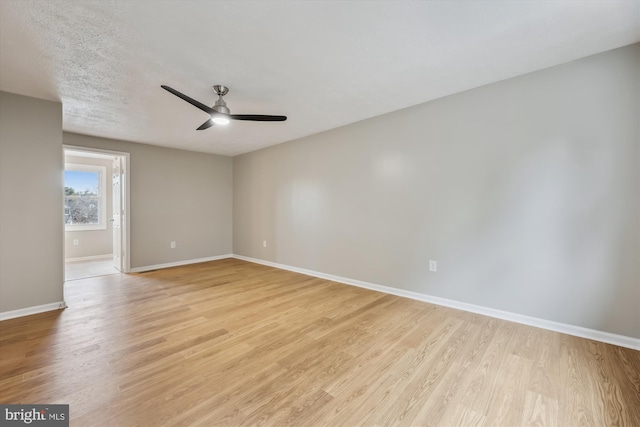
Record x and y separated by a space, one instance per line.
206 125
257 117
191 101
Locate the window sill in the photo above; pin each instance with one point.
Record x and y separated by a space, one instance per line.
84 227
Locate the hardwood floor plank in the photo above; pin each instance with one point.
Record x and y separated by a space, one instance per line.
234 343
464 417
412 405
539 411
394 397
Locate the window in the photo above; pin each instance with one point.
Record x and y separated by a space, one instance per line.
85 206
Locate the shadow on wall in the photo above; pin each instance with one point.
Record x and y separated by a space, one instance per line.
551 235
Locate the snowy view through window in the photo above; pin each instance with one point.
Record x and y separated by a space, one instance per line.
81 198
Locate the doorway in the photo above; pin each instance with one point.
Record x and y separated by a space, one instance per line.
96 200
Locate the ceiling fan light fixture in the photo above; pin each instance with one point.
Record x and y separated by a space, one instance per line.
220 113
220 120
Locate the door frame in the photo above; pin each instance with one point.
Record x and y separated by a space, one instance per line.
126 217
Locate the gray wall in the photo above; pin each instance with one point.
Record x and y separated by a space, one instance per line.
526 192
31 234
91 242
176 195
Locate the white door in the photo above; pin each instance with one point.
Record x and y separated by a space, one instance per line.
116 219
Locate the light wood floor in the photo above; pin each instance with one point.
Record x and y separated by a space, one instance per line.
234 343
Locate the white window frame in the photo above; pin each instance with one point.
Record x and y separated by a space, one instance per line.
102 188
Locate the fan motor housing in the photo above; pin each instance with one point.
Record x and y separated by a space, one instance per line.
220 106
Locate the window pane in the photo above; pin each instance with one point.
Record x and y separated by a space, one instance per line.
81 183
82 201
81 210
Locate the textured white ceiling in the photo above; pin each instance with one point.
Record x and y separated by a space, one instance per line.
324 64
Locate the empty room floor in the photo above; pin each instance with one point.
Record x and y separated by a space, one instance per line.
74 270
234 343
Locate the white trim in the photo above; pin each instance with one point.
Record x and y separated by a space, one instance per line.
578 331
179 263
32 310
94 154
127 188
89 258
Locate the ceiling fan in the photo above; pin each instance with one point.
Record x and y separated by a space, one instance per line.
220 113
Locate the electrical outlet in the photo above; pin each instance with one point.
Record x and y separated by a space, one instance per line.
76 242
264 243
173 245
433 265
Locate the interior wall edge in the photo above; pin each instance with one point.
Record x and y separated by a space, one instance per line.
578 331
199 186
179 263
525 192
28 311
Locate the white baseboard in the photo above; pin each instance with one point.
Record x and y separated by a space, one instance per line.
32 310
178 263
89 258
607 337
